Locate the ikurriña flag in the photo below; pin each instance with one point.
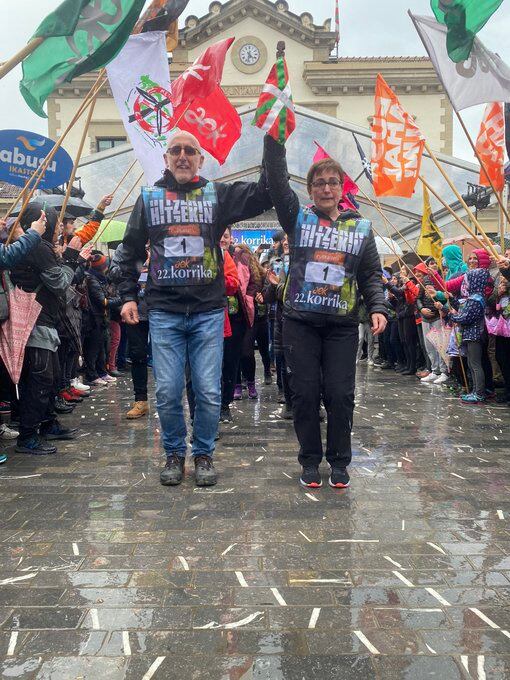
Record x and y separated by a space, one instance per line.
275 108
397 145
79 36
490 145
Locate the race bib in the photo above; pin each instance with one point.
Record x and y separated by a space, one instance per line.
185 246
320 272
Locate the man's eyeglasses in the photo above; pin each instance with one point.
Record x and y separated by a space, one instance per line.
334 182
177 149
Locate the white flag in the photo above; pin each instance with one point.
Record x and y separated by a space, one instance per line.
140 82
483 78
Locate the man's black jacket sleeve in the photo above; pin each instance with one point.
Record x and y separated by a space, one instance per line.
284 199
133 252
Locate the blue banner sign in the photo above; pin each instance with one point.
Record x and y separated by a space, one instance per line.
253 237
22 152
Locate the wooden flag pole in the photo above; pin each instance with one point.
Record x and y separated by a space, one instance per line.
453 213
117 209
70 182
124 176
27 193
462 201
30 47
498 196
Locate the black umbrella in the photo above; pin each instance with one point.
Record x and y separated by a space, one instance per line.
75 206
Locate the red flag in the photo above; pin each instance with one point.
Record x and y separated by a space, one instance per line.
491 146
214 122
349 188
201 78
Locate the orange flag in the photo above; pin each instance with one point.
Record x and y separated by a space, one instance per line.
491 146
397 145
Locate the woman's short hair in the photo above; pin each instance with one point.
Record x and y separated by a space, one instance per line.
324 165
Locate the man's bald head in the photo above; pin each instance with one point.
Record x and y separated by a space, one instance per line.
184 156
183 137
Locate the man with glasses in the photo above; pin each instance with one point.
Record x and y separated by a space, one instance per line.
333 260
183 217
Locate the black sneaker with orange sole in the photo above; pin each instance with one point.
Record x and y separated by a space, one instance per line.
339 478
310 477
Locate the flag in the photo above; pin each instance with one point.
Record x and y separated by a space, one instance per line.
202 77
163 15
484 78
214 122
490 145
367 168
463 19
140 83
349 188
507 129
79 36
337 23
397 145
275 108
430 243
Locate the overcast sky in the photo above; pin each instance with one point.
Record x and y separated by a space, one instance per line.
368 28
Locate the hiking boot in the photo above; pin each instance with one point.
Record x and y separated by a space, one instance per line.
35 445
62 406
173 472
225 415
7 433
287 413
238 393
138 410
55 432
310 477
205 474
66 395
339 478
252 391
268 378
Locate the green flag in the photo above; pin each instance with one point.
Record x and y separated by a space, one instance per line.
80 36
464 18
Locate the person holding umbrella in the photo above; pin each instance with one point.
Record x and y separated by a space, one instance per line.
43 273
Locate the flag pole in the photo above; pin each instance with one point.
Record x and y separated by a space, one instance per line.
473 146
124 176
462 201
70 182
27 193
11 63
118 208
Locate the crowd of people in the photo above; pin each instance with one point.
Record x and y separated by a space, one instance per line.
181 296
449 324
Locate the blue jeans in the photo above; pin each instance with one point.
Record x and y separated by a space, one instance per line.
198 337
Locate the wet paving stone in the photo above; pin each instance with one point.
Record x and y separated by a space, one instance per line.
105 574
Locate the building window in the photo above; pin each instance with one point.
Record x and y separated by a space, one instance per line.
104 143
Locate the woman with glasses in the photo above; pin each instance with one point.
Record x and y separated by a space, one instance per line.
333 260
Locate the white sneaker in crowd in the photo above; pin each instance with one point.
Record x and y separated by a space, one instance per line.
370 362
431 377
99 382
108 378
7 432
442 379
79 385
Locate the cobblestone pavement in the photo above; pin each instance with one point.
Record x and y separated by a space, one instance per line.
105 574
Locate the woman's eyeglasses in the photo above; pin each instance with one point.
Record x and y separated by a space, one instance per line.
334 182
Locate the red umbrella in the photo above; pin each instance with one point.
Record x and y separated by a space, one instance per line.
15 331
